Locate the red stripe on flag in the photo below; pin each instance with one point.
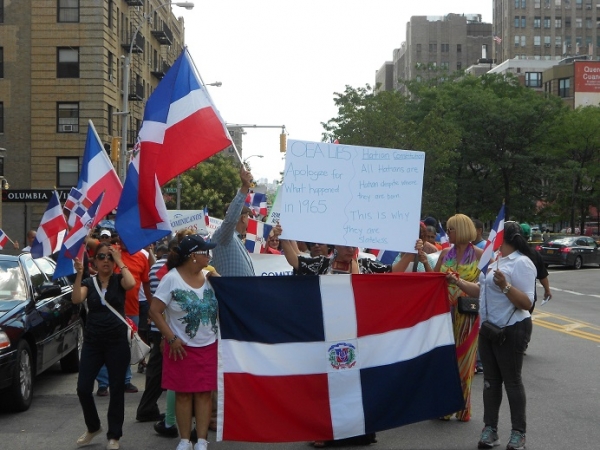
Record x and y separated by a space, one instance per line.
271 407
54 226
420 296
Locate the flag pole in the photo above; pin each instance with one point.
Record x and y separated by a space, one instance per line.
211 100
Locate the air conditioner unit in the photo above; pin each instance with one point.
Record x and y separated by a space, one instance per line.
65 128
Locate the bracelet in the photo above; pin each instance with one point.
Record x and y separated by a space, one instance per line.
123 267
173 339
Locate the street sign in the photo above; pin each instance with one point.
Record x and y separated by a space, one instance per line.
170 190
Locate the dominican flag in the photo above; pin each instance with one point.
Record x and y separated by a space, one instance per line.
75 196
257 202
3 239
256 235
494 241
385 256
52 229
77 204
76 237
98 176
181 128
445 243
206 216
312 358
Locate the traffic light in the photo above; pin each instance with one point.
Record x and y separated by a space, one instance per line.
115 150
282 142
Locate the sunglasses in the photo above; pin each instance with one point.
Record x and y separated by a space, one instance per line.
103 256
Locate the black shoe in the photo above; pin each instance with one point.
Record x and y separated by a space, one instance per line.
130 388
102 391
150 417
163 430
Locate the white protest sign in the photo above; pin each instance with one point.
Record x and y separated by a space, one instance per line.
352 195
275 213
186 219
266 265
213 224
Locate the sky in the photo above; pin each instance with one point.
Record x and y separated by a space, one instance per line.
281 61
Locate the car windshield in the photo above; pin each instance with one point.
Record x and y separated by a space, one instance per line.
564 241
12 284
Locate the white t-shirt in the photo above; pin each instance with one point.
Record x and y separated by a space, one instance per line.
191 313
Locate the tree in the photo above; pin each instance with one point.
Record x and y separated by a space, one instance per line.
212 183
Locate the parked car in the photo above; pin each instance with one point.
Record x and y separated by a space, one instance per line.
573 251
39 326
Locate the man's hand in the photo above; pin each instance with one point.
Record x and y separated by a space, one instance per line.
246 178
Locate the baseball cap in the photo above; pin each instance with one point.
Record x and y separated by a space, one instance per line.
105 233
525 230
193 243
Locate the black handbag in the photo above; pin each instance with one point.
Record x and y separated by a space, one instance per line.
468 305
492 332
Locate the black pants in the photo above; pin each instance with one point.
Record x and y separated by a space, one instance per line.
148 406
115 355
502 364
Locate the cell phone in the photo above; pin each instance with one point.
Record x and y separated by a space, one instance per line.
546 300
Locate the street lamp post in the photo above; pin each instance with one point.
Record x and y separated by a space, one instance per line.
125 110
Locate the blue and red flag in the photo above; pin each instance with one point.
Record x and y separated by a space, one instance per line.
444 241
257 202
494 241
257 234
97 176
316 359
3 239
52 229
181 128
385 256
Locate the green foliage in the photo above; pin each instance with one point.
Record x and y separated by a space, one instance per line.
213 183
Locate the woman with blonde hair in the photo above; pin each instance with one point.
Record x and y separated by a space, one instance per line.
462 259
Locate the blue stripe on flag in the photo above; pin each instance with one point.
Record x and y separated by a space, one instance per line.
424 388
245 302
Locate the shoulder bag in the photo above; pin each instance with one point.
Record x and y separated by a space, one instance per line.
468 305
139 349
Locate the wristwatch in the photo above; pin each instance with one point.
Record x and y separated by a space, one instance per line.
506 289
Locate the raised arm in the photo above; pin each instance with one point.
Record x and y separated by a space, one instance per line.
225 232
79 292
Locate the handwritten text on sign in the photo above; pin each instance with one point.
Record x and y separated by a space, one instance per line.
352 195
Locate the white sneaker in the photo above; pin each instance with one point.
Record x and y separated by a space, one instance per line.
113 444
185 445
87 437
202 444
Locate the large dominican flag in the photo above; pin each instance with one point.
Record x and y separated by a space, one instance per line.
330 357
181 128
98 176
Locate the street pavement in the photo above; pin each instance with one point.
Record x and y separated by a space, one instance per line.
561 377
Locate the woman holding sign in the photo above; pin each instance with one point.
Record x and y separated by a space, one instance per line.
462 259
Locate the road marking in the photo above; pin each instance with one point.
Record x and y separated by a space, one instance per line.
571 327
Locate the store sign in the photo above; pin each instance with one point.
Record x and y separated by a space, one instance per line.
32 195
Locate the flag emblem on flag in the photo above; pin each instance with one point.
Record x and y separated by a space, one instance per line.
312 357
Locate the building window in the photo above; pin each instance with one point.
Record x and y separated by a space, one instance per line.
418 48
68 10
517 21
588 23
110 119
433 48
517 41
67 172
558 3
1 11
523 21
537 22
537 3
537 41
578 4
444 65
67 118
558 22
547 4
578 22
523 41
458 48
533 79
547 41
459 65
523 4
445 48
110 14
67 62
558 41
564 85
547 22
1 117
1 61
567 22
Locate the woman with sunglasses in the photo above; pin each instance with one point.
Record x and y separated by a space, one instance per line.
104 342
189 329
462 258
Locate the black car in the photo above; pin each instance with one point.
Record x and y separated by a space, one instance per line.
39 326
573 251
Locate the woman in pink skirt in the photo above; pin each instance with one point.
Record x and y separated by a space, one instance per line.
189 329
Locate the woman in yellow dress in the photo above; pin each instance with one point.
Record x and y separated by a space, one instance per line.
462 258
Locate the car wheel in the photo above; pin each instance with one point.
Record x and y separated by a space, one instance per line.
70 362
21 389
578 263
